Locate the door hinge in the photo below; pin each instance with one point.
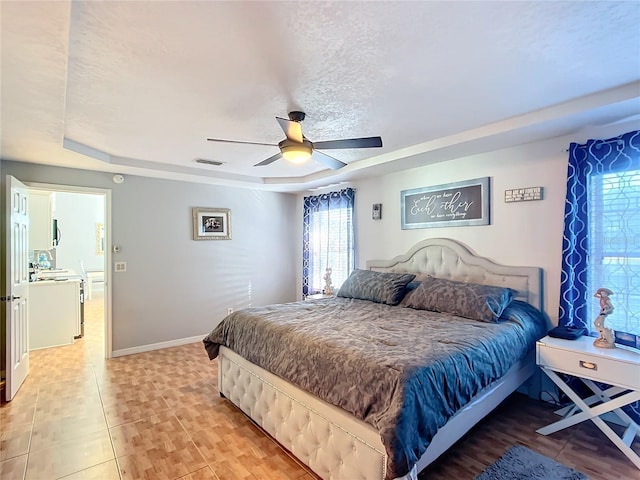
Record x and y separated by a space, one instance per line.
9 298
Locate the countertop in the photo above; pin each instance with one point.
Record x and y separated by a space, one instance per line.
57 275
52 282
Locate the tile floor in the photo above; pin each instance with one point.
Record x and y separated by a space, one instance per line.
155 415
158 415
514 422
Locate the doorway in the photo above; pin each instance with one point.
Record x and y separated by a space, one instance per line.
81 220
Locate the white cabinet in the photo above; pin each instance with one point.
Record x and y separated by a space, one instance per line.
40 220
54 313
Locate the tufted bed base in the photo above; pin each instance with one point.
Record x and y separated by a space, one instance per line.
331 442
335 444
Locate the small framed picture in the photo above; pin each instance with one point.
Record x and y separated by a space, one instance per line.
211 223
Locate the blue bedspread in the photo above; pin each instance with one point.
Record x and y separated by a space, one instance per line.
404 371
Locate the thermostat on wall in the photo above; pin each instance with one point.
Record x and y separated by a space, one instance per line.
376 211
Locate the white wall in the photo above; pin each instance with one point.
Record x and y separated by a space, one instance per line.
525 233
192 283
77 215
175 287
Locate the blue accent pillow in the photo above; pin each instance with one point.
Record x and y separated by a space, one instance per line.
470 300
379 287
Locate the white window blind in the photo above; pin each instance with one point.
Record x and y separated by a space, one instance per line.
331 245
614 246
328 238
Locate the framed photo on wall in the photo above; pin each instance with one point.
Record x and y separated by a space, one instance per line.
211 223
447 205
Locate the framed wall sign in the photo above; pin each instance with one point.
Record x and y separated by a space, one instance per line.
211 223
447 205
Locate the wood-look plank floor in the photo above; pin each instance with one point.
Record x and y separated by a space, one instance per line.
158 415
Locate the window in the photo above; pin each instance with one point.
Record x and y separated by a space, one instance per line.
601 242
614 246
328 240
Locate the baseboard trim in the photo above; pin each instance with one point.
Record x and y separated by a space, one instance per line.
157 346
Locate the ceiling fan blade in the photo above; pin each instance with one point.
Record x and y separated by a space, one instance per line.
293 130
238 141
332 163
269 160
367 142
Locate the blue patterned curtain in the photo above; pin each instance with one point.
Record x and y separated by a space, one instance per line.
328 239
588 164
601 243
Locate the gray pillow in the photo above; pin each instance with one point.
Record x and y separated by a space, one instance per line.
470 300
380 287
411 287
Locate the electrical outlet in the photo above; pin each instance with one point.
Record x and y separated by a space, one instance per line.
229 310
120 266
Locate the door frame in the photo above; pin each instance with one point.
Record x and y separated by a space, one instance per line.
106 193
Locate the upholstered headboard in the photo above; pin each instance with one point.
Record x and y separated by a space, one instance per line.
447 258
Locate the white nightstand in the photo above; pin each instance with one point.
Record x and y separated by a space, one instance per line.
617 367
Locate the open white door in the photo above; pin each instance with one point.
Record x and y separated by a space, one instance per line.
17 286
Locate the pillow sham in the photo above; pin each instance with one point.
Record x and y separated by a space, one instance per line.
470 300
379 287
408 291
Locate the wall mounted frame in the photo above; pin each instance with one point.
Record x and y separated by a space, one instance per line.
211 223
447 205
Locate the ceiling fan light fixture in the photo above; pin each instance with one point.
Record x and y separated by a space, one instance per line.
297 149
298 153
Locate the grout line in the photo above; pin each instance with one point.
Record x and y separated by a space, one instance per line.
104 415
188 435
84 351
33 423
80 471
195 445
92 361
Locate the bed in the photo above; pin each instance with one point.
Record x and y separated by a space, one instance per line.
360 404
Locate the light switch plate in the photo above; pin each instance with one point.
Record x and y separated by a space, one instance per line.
121 266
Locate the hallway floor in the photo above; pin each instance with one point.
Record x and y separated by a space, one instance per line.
158 415
155 415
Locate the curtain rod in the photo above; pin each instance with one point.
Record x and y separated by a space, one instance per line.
613 140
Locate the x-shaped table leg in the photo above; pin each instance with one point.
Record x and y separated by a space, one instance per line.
593 413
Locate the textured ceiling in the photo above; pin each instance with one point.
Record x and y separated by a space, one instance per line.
137 87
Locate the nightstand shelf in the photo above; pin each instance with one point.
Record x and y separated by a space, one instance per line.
617 367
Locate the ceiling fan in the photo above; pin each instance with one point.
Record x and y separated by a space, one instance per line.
297 148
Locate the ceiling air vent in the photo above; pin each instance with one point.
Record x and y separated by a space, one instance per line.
208 162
